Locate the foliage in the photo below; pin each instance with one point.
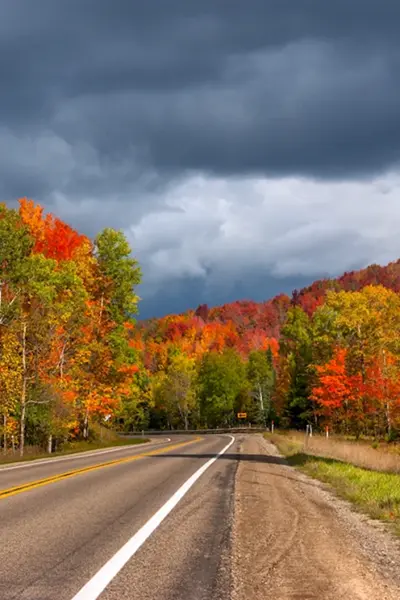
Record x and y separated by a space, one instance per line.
72 355
221 379
65 311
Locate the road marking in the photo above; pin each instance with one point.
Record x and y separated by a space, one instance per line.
102 578
25 487
73 456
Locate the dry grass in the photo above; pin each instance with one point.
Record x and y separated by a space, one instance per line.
384 458
366 476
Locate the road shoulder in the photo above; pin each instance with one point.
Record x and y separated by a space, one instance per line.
293 539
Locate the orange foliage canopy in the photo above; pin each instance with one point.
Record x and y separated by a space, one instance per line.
336 390
53 238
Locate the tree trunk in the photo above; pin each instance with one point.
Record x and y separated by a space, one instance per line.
23 394
50 444
388 407
22 428
260 395
86 426
186 421
388 419
62 359
4 432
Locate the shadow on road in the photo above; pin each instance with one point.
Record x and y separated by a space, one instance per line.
253 458
264 458
297 459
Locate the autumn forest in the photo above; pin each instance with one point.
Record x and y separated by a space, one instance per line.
73 354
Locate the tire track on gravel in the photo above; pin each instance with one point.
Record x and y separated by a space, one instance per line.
293 541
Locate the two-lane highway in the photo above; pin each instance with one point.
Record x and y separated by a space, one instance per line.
40 472
139 522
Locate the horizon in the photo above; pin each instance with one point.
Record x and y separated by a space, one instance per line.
247 299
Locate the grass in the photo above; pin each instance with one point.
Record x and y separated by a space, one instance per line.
374 492
362 453
72 448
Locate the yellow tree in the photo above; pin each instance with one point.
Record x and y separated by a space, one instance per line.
176 388
367 325
10 380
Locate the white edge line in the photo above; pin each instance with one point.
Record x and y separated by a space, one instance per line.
73 456
95 586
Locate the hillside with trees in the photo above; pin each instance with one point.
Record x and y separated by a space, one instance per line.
72 354
327 356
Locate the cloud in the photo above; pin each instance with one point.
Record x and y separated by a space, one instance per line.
227 233
238 143
267 88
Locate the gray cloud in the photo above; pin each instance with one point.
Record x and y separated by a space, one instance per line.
288 230
262 87
109 109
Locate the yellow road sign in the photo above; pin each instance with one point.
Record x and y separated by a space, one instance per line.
242 415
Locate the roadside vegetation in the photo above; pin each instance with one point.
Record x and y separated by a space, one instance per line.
100 438
367 454
73 357
66 310
373 487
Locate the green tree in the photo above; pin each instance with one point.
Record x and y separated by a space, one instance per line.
48 296
15 247
261 376
221 379
177 391
120 274
296 347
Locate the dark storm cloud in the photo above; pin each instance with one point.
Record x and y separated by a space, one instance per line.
163 116
271 87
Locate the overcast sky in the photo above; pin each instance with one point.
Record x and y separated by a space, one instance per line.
245 148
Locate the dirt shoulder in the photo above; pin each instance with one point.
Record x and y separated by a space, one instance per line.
292 539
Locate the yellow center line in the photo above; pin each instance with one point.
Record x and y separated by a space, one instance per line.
24 487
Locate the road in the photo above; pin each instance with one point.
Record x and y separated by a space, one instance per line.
56 536
196 518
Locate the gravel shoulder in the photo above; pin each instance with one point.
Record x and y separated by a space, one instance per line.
293 539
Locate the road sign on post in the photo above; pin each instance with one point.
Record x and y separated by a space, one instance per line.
242 415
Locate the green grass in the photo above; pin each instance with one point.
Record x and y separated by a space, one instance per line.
74 448
373 492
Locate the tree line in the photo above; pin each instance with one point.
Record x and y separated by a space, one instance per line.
72 353
335 361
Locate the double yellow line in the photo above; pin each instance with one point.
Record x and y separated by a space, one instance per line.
25 487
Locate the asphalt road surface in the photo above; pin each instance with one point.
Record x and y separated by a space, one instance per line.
195 518
79 528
